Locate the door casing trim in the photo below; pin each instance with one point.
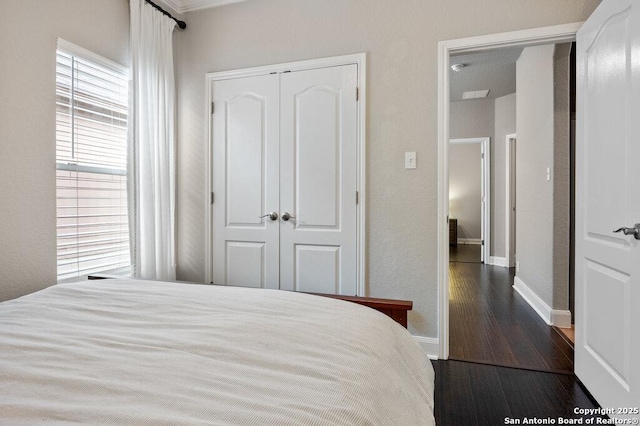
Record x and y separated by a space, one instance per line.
535 36
508 201
359 59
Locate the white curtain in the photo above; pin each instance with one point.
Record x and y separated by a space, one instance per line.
151 147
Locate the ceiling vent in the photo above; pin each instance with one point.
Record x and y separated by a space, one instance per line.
475 94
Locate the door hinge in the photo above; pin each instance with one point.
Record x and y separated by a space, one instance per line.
213 197
482 242
482 155
357 94
357 197
213 108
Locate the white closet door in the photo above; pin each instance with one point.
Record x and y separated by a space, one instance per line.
318 180
245 181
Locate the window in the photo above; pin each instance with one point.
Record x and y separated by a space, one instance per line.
91 158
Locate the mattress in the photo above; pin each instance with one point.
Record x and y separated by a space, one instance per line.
151 353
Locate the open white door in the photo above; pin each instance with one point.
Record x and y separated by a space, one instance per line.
607 354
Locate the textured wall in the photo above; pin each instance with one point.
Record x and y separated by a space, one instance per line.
505 124
472 119
561 177
542 225
28 33
465 189
401 41
534 154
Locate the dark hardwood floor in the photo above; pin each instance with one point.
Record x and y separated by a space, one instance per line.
491 323
468 253
468 394
504 362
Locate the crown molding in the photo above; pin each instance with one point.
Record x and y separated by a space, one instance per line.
183 6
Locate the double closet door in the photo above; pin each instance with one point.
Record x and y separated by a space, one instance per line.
284 179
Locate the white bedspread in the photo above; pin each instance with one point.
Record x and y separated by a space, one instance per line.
150 353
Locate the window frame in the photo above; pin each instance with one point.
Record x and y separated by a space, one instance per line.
74 50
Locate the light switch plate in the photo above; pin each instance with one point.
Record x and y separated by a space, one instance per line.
409 160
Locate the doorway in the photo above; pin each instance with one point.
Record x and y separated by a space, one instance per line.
488 280
470 200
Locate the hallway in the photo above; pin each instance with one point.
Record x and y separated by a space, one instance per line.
466 253
491 323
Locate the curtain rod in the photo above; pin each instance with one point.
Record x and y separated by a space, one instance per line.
181 24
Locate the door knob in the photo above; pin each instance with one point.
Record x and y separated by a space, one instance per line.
635 231
272 216
286 216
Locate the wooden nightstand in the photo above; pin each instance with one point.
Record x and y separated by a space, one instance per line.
453 232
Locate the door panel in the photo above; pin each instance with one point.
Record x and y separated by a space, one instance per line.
245 181
609 287
245 165
605 78
607 146
318 179
317 268
317 165
246 264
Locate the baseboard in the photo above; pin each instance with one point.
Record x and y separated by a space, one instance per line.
498 261
430 346
469 241
559 318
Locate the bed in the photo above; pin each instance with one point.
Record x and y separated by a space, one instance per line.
152 353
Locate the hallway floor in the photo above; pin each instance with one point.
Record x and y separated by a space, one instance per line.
491 323
467 253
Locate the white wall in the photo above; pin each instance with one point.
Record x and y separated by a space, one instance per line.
542 206
28 33
465 189
401 41
472 119
505 124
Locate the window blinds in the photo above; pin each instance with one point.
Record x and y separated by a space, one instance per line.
91 157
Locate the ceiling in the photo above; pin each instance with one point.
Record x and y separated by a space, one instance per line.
183 6
494 70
